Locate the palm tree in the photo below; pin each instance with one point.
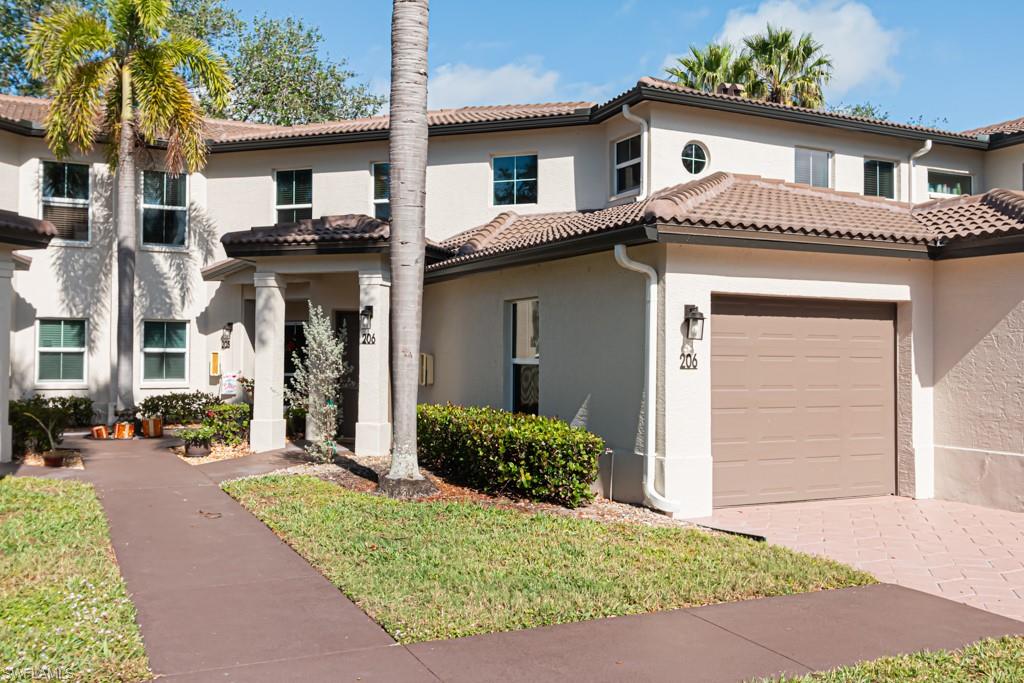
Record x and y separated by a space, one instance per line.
709 67
788 71
121 77
408 157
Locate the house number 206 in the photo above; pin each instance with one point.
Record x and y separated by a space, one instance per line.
689 361
368 338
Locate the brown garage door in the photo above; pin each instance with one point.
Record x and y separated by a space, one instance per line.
802 396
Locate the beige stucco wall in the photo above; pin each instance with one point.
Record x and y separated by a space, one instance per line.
692 274
1005 168
591 348
979 373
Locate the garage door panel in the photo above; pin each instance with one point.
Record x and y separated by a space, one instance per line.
802 399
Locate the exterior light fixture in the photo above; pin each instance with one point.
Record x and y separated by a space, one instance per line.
365 317
693 320
225 336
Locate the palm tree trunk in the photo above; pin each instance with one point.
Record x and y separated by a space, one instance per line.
408 157
126 217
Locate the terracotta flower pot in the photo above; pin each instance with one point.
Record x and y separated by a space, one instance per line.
53 458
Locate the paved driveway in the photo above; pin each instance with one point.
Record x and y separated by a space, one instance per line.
963 552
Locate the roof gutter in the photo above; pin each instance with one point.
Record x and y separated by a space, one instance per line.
651 495
645 149
914 157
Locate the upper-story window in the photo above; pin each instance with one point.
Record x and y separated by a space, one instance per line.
515 179
164 209
294 195
813 167
695 157
627 165
949 183
382 191
65 199
879 178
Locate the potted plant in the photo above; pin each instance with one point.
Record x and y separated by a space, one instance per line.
53 422
197 440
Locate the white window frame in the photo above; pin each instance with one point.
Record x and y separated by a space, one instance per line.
156 246
513 361
58 383
951 171
829 165
490 187
897 172
61 201
373 175
143 350
707 157
280 207
616 165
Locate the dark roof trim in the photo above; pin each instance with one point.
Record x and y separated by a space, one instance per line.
580 117
434 254
968 247
22 127
576 246
641 93
1001 140
764 240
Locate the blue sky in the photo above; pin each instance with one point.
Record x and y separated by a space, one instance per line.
940 59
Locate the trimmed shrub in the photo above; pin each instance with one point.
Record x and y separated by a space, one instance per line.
27 434
78 409
229 422
521 456
178 408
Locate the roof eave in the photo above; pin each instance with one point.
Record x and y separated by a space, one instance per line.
1000 140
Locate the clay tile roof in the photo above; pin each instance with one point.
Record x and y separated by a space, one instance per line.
669 86
1005 127
326 230
24 231
994 213
19 109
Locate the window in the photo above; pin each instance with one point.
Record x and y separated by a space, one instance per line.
525 317
294 195
294 343
627 165
163 351
164 209
61 351
695 157
812 167
65 198
945 182
515 180
382 191
879 179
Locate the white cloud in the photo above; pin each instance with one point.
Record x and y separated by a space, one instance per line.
460 85
862 49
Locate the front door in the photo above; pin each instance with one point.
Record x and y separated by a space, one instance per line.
347 324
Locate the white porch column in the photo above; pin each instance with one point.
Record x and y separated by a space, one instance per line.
6 310
373 427
267 429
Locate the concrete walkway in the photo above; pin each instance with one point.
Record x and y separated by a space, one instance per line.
967 553
221 598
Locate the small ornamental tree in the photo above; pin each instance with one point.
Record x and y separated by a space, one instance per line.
316 384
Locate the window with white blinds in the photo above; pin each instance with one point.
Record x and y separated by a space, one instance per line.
382 191
879 178
60 351
812 167
294 195
65 199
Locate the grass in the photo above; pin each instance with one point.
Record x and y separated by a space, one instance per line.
987 661
428 571
63 606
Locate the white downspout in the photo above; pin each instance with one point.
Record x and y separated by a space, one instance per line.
645 149
913 157
652 497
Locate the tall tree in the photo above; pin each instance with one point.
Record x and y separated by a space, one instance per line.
408 157
789 70
706 68
281 78
120 76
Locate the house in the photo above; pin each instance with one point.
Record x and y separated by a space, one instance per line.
750 302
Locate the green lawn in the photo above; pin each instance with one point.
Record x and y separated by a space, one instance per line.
63 607
989 661
427 571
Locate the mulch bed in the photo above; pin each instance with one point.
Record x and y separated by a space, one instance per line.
72 460
359 473
217 453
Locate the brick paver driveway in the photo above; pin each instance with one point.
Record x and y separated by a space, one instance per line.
963 552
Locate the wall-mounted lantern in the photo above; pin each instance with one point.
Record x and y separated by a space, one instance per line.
365 318
225 335
694 322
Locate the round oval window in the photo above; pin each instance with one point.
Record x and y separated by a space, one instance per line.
695 158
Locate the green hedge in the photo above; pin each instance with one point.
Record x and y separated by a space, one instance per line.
229 422
27 434
178 408
522 456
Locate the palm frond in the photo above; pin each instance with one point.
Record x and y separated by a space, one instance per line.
152 15
203 68
75 115
63 40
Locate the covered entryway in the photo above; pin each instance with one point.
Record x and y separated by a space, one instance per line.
802 399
